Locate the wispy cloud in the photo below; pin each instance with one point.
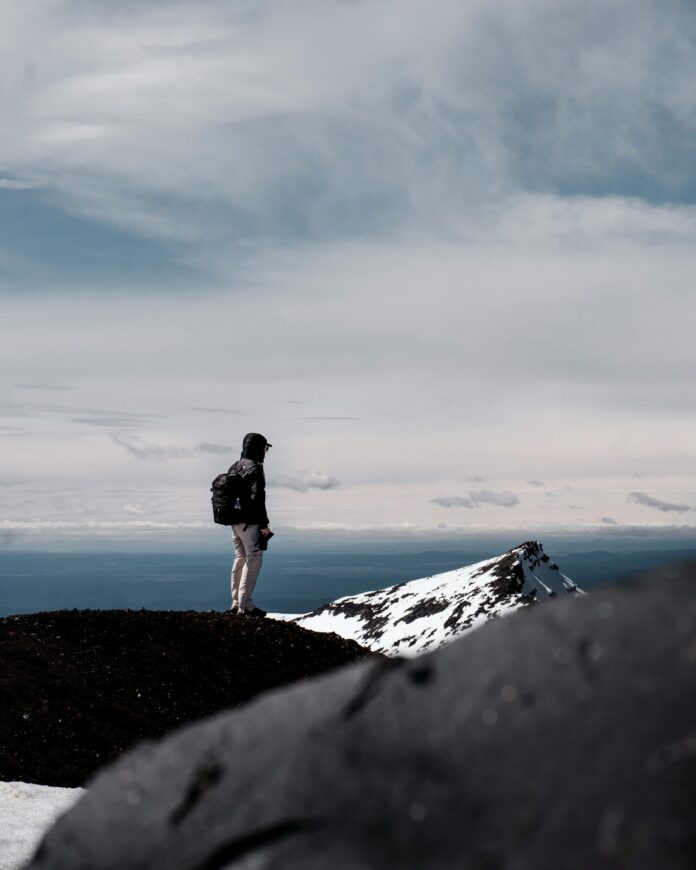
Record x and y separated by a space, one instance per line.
476 499
16 184
454 501
93 416
503 499
305 480
11 526
144 507
608 521
216 410
207 447
332 418
118 420
143 449
536 483
12 411
336 146
665 506
56 387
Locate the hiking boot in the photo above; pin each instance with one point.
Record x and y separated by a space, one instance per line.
255 611
234 609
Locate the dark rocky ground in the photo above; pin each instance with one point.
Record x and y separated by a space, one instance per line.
78 687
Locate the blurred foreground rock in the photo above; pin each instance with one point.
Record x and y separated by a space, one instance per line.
561 738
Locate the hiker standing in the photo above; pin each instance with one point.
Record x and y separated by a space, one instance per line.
250 531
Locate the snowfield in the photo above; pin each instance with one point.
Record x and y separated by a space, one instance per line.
27 812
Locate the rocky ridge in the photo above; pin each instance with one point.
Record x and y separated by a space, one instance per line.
422 615
78 687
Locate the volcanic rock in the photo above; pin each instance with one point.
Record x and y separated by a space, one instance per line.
78 687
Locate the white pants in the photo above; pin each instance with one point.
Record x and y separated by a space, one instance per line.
247 564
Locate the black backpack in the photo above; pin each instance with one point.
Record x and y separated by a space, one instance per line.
226 490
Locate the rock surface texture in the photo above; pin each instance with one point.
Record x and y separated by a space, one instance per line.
424 614
563 737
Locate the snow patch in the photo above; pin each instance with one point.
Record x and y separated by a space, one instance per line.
27 812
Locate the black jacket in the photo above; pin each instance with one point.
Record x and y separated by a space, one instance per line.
250 467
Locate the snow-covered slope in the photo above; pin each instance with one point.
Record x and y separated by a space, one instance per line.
27 811
421 615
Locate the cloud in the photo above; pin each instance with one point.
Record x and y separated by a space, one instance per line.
95 416
121 420
608 521
649 501
503 499
142 449
323 146
57 387
476 499
332 418
553 207
16 184
207 447
216 410
13 411
305 480
505 535
536 483
139 509
12 526
453 501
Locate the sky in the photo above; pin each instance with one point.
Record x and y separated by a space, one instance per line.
441 254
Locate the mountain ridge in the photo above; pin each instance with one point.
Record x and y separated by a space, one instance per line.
442 606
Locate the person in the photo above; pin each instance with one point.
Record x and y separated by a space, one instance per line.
250 529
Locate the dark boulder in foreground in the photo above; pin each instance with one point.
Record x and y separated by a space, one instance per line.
559 738
78 687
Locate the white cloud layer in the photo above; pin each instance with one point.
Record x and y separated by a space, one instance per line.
304 480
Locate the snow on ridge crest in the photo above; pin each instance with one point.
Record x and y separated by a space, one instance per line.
420 615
